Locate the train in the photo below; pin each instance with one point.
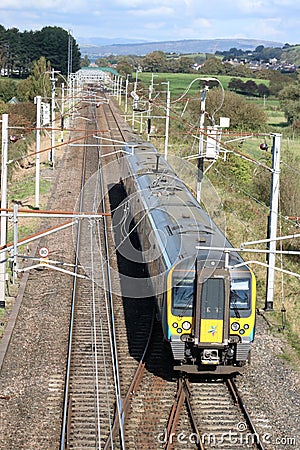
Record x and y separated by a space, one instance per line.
205 293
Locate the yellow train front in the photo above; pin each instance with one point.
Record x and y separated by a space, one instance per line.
205 293
210 316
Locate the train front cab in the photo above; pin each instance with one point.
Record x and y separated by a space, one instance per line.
211 319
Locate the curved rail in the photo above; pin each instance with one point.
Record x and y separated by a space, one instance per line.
183 395
138 376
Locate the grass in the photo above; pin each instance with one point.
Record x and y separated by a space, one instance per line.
180 81
25 188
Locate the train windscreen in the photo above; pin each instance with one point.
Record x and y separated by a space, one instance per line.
240 294
182 296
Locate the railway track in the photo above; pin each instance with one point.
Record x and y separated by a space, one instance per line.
210 414
92 379
99 374
137 411
121 386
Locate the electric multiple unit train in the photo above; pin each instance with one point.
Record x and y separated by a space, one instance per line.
205 292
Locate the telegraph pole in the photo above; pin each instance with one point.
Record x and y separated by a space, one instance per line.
3 229
273 217
201 143
38 101
52 79
167 120
62 111
70 56
126 96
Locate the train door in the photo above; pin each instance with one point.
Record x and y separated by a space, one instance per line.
211 324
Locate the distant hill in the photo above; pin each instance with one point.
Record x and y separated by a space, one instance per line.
103 41
93 49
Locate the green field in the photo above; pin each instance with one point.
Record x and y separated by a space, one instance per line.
179 82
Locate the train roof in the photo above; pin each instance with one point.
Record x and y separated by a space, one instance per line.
179 221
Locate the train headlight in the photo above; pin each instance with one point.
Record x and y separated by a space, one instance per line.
186 325
246 326
235 326
175 325
179 330
242 331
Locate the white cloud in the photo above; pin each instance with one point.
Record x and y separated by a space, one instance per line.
260 19
160 12
202 23
41 5
250 5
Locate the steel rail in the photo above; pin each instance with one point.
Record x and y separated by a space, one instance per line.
239 401
175 414
198 442
120 415
67 406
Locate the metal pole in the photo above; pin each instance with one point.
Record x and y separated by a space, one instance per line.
126 95
3 218
38 101
62 111
273 217
73 98
52 118
120 89
149 108
134 100
201 142
141 122
70 56
16 265
167 120
116 85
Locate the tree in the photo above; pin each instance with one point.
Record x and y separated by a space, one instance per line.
289 98
3 49
263 90
243 116
18 50
124 67
213 66
155 62
85 62
236 84
54 45
278 81
7 89
13 49
250 87
38 83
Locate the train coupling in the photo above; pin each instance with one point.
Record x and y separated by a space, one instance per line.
210 356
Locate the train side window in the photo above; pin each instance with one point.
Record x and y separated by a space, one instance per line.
212 299
240 293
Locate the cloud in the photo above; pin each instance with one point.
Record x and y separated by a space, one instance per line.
160 12
185 19
42 5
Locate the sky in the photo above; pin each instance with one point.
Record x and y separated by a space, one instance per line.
159 20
